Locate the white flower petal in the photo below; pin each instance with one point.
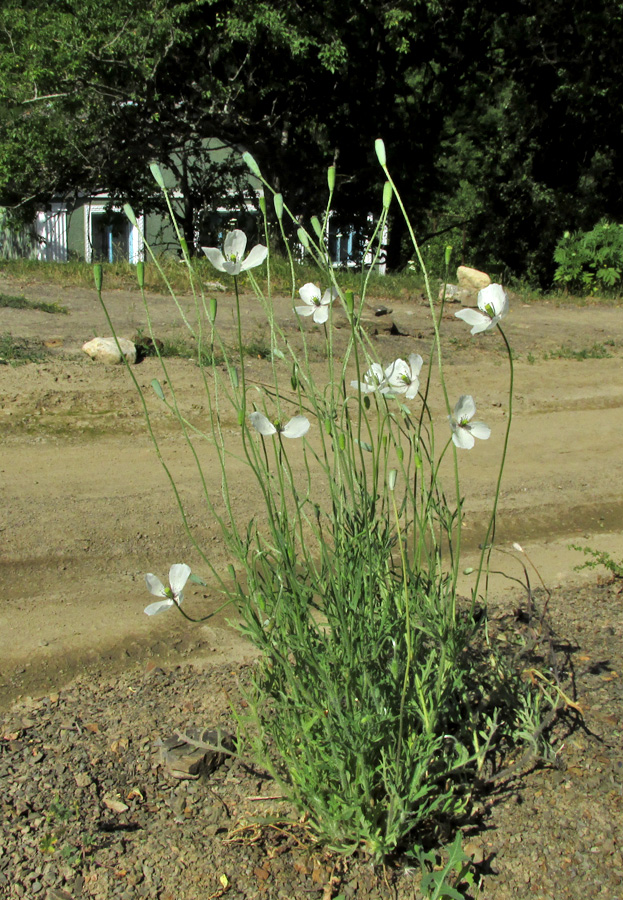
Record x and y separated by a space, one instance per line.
321 314
310 293
234 245
262 424
305 310
493 300
412 391
231 267
155 586
416 362
479 430
396 373
216 257
296 427
478 320
329 295
154 608
462 438
465 408
178 576
255 258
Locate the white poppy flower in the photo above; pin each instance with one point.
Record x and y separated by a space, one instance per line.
493 305
295 428
404 378
178 576
317 305
373 380
230 261
464 431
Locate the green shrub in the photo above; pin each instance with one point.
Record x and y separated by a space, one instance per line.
591 261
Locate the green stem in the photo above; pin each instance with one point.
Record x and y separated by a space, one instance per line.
488 541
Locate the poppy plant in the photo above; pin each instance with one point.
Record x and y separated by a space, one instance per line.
173 596
316 304
492 306
230 260
463 429
295 428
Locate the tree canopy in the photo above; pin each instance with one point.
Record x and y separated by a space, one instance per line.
504 126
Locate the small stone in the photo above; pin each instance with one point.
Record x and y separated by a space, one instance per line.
115 805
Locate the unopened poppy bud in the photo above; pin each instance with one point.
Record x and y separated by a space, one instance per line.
278 204
155 171
379 146
303 237
331 178
212 305
391 479
400 454
341 442
130 214
97 275
349 301
251 163
316 226
140 274
387 194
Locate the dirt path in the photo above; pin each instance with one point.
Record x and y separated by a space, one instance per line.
86 508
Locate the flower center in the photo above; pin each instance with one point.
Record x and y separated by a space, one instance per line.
490 310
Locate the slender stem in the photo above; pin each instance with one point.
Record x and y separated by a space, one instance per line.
488 541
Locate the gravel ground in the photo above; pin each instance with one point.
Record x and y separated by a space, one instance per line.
90 810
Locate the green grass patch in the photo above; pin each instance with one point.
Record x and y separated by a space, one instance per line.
122 276
17 351
597 351
10 301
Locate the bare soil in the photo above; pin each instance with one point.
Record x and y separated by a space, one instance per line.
87 509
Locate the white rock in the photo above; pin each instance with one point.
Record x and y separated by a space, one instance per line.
105 350
472 279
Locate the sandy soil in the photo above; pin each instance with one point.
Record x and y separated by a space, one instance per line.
87 508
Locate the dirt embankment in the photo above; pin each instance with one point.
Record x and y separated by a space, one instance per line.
87 509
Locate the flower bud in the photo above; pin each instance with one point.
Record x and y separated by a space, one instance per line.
341 441
391 479
278 204
328 427
140 274
262 204
212 309
155 171
251 163
316 226
97 275
303 237
400 454
379 146
130 214
448 254
331 178
349 302
388 192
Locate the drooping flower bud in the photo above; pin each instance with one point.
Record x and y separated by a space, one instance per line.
155 171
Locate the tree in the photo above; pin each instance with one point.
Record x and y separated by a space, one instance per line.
504 126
